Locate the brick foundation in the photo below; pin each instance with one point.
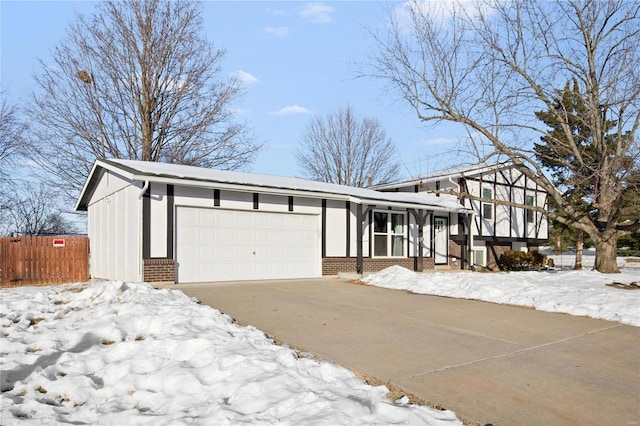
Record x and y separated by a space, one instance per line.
455 255
494 251
335 265
156 270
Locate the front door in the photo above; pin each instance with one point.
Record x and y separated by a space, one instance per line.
441 240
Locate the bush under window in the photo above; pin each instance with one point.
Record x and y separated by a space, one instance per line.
515 260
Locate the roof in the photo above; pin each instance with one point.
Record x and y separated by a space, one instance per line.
144 171
458 172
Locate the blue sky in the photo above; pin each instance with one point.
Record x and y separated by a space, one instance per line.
297 59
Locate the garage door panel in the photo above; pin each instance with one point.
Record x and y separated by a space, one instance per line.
227 245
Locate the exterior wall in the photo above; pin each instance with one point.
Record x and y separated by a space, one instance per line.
336 265
122 231
157 270
336 229
455 255
494 251
114 230
507 221
158 218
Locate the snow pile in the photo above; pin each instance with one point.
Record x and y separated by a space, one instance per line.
119 353
581 293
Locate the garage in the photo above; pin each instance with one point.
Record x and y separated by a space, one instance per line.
230 245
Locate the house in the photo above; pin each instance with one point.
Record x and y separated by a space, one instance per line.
495 227
165 222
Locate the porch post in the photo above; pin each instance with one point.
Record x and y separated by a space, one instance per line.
421 219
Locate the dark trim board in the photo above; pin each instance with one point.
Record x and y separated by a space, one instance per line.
348 212
504 184
324 228
146 224
536 241
170 225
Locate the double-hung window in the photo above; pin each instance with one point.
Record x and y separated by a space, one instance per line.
530 213
487 207
389 231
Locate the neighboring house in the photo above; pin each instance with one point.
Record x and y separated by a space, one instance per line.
165 222
495 227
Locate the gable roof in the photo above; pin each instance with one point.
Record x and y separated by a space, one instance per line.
144 171
457 172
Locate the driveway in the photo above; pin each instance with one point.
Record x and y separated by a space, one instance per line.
489 363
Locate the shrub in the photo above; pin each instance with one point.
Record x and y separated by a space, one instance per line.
514 260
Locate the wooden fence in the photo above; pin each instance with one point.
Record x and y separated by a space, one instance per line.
43 260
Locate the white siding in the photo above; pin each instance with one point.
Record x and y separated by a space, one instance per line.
502 212
158 212
114 231
518 218
336 232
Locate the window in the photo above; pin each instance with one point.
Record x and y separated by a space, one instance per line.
480 257
487 208
388 234
529 213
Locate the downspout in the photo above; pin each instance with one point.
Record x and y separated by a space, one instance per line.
140 234
143 190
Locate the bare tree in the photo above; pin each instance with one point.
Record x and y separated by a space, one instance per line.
344 149
11 131
136 80
32 210
490 67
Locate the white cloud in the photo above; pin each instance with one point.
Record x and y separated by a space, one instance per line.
438 141
317 13
441 11
277 31
246 78
291 110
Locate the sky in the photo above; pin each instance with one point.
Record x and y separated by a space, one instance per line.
298 60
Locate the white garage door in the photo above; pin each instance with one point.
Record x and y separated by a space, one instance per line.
228 245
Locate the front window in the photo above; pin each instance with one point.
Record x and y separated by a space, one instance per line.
487 208
530 213
388 234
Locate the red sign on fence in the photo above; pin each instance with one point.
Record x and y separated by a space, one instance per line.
58 242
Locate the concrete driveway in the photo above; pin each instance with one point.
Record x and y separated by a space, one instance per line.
489 363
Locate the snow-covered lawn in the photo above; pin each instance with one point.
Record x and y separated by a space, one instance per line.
115 353
118 353
582 293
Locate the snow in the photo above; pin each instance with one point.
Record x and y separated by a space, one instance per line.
580 293
115 353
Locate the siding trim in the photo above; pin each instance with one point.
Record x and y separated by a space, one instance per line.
170 226
348 230
324 227
146 224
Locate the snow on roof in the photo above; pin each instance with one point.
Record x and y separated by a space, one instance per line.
143 170
473 170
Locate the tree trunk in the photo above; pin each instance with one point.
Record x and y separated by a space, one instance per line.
579 248
606 252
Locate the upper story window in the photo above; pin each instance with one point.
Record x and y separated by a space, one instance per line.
529 213
389 231
487 207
